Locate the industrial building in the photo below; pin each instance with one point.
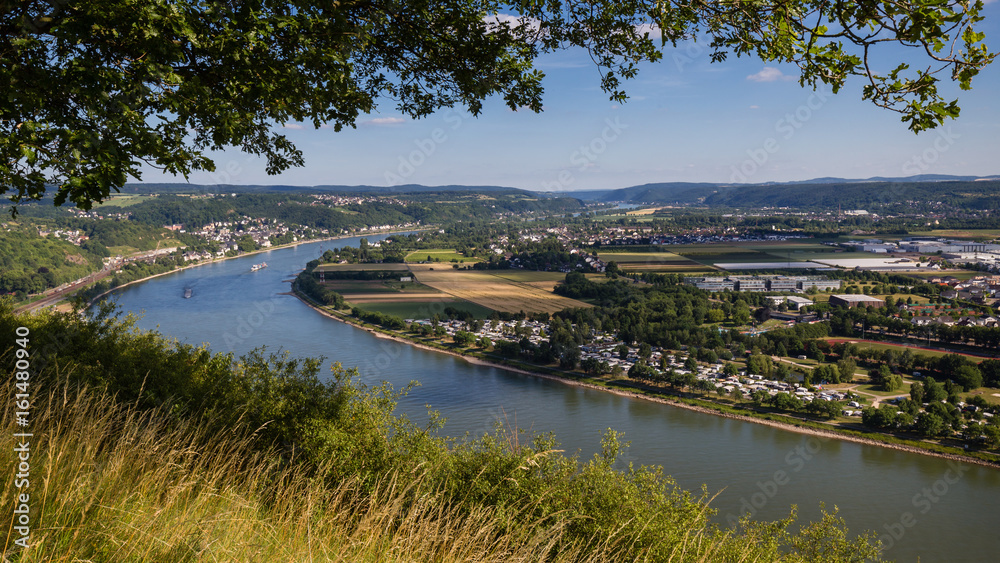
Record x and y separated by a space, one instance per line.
851 301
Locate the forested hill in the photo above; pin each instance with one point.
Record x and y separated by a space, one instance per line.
664 192
182 188
826 193
980 195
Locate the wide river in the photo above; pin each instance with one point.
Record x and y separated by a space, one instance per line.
923 507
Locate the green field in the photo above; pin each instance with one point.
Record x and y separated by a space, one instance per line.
958 274
354 287
900 347
875 390
122 250
748 257
388 267
668 258
438 255
784 246
123 201
422 310
654 262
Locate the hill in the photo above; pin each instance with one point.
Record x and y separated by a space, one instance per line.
153 450
185 188
820 193
980 195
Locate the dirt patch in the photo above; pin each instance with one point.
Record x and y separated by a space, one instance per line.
76 259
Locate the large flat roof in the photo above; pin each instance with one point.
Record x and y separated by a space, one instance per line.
856 297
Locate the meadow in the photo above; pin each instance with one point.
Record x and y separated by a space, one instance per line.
123 201
438 255
387 267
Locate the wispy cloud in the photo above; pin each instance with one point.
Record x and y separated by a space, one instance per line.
384 121
769 74
295 126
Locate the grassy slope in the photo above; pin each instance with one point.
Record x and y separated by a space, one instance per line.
147 450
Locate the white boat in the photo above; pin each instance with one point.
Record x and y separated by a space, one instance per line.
260 266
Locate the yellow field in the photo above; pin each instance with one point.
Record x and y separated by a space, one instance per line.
494 292
647 211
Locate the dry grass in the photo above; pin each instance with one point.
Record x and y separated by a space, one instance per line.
113 484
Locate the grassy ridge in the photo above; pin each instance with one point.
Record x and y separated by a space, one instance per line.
149 450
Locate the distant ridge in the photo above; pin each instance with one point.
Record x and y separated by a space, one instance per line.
179 187
980 192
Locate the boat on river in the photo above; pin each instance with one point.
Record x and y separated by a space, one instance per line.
260 266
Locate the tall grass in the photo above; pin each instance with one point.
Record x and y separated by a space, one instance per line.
112 483
150 450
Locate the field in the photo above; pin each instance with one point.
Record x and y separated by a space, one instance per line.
122 250
653 261
168 243
123 201
957 274
988 234
900 347
390 267
646 211
425 309
495 292
546 281
403 299
436 286
438 255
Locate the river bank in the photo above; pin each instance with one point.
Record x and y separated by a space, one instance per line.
706 407
93 300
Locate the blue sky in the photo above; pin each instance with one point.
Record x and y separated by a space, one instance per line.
687 120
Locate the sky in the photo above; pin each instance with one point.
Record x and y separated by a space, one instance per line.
687 120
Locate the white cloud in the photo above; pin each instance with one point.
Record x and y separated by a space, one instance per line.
651 28
512 21
754 107
296 126
385 121
769 74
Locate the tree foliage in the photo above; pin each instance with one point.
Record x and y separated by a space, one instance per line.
166 82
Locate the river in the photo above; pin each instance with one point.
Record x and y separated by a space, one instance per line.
922 506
